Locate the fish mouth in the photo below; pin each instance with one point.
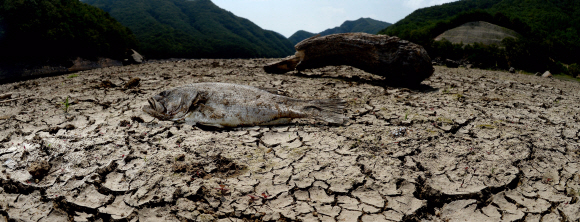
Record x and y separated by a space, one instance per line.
156 109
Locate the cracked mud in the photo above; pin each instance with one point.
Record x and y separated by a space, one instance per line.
468 145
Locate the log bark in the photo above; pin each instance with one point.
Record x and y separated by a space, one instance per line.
399 61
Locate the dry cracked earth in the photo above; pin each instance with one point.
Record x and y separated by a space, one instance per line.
469 145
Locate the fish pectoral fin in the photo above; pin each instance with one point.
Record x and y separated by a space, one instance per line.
199 99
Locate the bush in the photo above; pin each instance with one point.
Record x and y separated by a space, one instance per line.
574 69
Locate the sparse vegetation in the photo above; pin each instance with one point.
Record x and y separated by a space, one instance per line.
459 97
66 105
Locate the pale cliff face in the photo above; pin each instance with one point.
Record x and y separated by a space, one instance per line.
480 32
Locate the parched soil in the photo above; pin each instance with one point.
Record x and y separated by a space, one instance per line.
469 145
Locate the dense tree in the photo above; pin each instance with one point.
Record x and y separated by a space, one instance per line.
548 28
59 29
299 36
193 29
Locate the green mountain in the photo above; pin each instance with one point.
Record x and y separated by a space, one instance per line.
193 29
366 25
58 30
299 36
549 28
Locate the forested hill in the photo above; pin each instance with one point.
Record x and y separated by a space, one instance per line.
299 36
56 30
366 25
549 28
193 29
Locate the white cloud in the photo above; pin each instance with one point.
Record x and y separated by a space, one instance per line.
416 4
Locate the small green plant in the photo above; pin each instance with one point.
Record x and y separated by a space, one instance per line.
66 105
355 145
73 75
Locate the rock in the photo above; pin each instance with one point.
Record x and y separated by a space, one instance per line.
438 61
399 61
106 84
5 96
134 82
205 218
133 57
538 74
451 64
39 169
82 217
512 70
9 163
547 74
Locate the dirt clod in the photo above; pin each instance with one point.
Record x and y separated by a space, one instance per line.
39 169
134 82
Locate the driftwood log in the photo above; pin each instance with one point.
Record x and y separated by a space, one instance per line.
399 61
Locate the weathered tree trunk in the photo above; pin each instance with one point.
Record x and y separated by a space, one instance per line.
399 61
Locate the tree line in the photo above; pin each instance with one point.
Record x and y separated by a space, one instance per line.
193 29
58 30
548 41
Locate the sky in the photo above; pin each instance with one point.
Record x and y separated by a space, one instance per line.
288 16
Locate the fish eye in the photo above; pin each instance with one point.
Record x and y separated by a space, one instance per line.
164 93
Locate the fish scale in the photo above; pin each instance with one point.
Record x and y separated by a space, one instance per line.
230 105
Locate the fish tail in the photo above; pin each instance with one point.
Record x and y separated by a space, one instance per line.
329 110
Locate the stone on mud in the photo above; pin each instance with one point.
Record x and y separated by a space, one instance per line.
39 169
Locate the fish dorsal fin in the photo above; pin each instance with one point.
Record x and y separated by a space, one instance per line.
199 99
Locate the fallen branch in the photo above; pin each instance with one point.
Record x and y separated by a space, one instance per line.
10 100
6 95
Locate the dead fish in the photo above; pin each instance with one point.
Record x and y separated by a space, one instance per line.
231 105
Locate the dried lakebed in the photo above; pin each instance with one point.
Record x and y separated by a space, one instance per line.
469 145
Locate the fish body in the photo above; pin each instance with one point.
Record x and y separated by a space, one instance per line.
230 105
